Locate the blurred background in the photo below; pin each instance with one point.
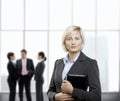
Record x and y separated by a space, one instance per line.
38 25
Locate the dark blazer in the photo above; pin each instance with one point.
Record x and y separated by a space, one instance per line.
12 70
30 67
82 66
39 72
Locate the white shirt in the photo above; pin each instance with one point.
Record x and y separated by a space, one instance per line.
68 65
24 61
24 66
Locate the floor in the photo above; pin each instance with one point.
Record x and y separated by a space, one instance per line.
4 97
105 97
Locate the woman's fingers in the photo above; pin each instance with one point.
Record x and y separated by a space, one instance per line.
67 97
63 97
67 87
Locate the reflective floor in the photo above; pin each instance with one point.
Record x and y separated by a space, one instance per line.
4 97
105 97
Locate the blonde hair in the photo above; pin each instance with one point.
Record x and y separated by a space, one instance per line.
70 30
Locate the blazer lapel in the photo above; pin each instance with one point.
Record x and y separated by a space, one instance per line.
27 64
81 58
20 65
60 67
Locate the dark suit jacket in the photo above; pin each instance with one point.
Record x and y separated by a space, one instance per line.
39 72
12 71
82 66
30 67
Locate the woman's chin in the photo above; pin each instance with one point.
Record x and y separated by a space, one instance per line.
74 51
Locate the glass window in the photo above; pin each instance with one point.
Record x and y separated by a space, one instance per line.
89 47
12 14
108 14
84 14
108 60
55 49
10 41
36 14
59 14
34 43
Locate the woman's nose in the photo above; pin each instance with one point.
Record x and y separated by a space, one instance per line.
73 41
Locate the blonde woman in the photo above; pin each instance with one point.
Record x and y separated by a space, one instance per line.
77 63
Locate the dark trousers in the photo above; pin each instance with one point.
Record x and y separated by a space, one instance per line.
24 82
12 88
39 91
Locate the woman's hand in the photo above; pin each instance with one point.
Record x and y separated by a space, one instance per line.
63 97
67 87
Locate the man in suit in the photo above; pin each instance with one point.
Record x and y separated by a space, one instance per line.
25 70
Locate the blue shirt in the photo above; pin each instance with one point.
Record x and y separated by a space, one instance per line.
68 65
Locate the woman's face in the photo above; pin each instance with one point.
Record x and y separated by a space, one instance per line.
73 42
12 58
39 57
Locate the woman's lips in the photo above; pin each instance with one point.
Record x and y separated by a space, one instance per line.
73 46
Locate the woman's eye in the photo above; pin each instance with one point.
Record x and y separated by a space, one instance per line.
68 39
77 38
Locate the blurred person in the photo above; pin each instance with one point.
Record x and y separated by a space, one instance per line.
25 70
12 75
75 63
39 76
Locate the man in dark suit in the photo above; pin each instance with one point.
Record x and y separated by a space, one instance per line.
25 70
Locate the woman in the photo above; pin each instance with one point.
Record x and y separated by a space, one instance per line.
39 76
12 77
77 63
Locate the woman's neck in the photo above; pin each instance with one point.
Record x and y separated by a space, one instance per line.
73 55
41 60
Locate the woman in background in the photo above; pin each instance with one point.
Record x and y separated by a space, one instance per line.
75 63
12 77
39 76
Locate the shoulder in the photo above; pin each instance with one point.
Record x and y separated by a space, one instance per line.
28 59
91 60
9 63
85 58
91 63
58 61
42 63
19 60
87 61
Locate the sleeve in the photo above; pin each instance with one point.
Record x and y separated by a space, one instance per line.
31 69
52 89
40 70
10 70
94 93
32 65
18 68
